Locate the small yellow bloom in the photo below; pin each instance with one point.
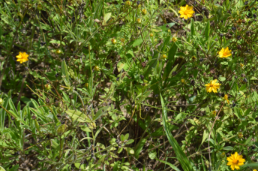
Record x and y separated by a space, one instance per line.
226 98
96 68
183 81
164 56
22 57
254 169
1 101
186 12
86 85
224 53
128 3
242 65
235 160
212 86
240 135
113 41
174 39
169 30
58 51
151 35
139 21
144 12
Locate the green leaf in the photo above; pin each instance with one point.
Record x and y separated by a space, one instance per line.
222 78
2 169
224 63
137 42
65 74
171 55
228 148
100 112
77 115
180 155
139 147
253 78
152 155
207 30
107 17
205 136
171 165
129 142
192 28
248 141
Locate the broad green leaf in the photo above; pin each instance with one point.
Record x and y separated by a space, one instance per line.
107 17
139 147
205 136
152 155
2 169
77 115
137 42
100 112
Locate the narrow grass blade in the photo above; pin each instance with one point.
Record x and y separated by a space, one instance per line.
185 163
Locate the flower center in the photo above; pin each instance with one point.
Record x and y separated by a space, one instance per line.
186 12
235 161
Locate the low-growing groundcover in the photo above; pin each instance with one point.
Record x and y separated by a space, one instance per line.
128 85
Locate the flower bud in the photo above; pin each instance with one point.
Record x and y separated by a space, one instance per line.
144 12
113 41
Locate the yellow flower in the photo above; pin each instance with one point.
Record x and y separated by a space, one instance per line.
212 86
183 81
58 51
128 3
242 65
151 35
186 12
113 41
174 39
144 12
226 98
1 101
254 170
169 30
164 56
224 53
22 57
235 160
240 135
139 20
86 85
96 68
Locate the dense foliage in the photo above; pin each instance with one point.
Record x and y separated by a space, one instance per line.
128 85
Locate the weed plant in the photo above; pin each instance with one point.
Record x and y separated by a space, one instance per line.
153 85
